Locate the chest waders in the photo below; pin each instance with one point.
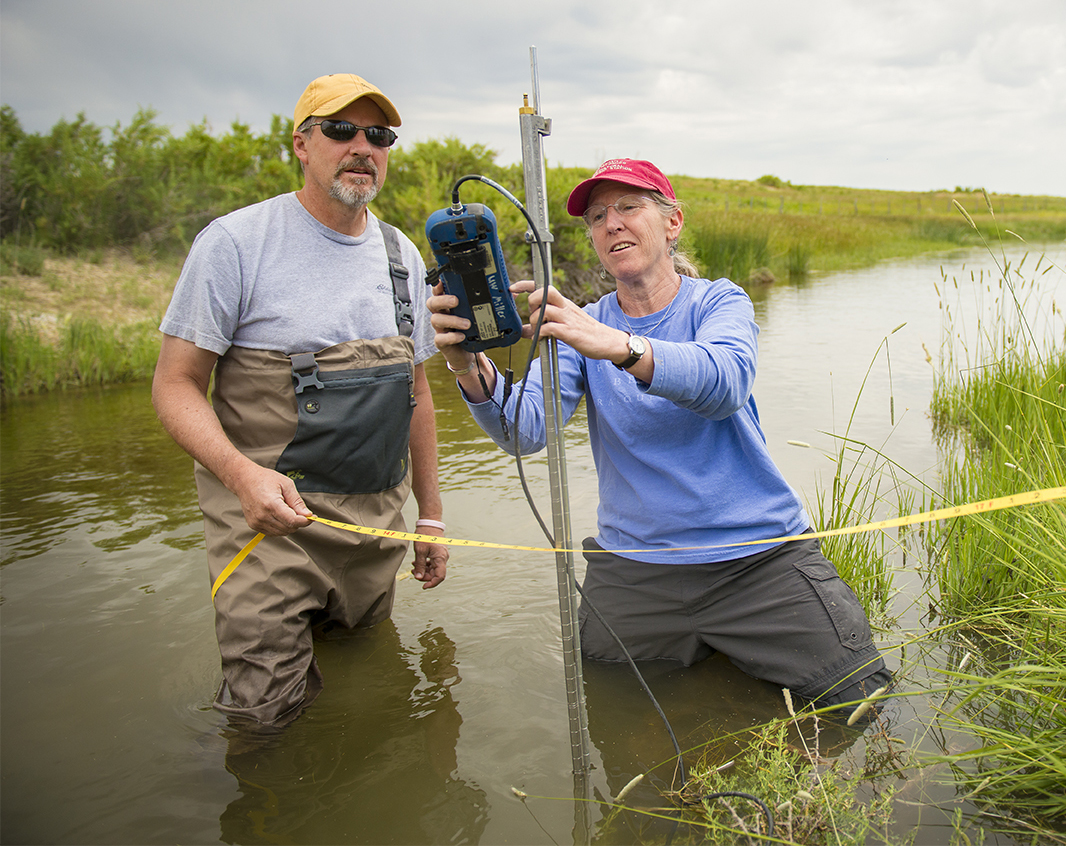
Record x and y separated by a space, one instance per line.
337 422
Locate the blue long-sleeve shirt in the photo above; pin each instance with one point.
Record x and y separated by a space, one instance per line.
681 462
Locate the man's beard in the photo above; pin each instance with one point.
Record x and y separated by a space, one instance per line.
352 195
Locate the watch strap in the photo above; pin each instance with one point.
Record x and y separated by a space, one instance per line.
634 357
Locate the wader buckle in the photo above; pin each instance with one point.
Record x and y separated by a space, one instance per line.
305 361
405 314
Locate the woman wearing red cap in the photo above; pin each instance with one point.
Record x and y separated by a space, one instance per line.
687 487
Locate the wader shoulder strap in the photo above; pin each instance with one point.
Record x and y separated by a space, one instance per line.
401 293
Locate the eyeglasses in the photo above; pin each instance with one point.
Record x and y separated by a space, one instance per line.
628 205
342 130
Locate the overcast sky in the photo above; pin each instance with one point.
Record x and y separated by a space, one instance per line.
897 94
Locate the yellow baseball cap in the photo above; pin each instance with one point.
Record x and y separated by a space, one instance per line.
329 94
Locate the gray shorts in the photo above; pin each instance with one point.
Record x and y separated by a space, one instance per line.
783 616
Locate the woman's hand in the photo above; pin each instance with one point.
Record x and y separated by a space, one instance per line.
565 321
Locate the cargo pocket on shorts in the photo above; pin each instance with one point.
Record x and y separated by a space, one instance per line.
840 604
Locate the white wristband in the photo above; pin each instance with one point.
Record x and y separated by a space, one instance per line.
433 524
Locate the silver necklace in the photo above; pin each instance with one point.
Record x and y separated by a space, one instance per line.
666 313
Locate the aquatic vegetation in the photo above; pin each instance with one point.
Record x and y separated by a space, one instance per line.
856 498
1013 709
999 412
813 799
792 784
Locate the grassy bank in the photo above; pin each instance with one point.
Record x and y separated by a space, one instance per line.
743 230
77 322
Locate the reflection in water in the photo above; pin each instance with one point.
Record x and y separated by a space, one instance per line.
373 762
704 703
91 458
631 736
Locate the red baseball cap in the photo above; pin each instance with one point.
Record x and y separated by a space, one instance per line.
635 172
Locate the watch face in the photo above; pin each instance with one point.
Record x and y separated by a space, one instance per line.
637 345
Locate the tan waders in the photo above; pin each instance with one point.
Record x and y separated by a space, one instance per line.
342 436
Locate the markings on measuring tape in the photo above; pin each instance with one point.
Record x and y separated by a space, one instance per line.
997 504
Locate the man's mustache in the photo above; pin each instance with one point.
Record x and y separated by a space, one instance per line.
358 163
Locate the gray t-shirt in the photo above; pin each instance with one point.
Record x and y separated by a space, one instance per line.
271 276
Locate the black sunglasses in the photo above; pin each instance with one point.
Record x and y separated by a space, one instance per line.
342 130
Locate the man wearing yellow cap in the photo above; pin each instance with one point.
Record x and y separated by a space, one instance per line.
309 314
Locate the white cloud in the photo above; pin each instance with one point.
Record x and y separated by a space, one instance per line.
901 94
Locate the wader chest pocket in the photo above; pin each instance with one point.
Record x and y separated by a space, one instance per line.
353 428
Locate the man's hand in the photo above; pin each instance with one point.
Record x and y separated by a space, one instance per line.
270 501
431 560
449 328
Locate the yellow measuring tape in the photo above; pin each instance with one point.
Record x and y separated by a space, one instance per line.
1013 501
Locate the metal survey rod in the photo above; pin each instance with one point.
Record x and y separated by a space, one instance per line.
534 128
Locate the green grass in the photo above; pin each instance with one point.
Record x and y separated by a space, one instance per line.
1003 429
87 353
736 227
27 363
999 413
20 259
722 248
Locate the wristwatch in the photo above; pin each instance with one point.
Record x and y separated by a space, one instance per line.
637 347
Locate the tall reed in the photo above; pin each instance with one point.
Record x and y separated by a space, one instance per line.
733 247
27 362
999 412
867 486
